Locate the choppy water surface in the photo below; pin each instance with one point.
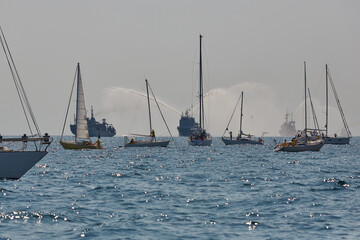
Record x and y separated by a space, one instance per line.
183 192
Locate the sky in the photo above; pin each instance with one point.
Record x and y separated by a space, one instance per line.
255 46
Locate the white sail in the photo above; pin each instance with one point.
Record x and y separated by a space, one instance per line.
81 121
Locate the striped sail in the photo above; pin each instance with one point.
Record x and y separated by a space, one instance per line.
81 121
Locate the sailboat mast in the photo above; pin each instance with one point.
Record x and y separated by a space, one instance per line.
305 96
201 105
327 101
147 92
241 112
78 77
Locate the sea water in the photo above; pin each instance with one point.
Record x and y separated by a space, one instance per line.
186 192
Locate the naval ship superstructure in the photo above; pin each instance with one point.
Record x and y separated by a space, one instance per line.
96 128
288 127
186 123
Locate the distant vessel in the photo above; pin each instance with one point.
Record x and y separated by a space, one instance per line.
186 123
96 128
15 163
242 138
152 141
288 127
199 136
82 139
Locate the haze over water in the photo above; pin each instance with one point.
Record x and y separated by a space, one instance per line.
183 192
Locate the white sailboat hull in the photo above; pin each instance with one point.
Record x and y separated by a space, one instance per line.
147 144
13 165
240 141
337 140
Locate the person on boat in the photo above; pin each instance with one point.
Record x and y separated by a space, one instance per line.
46 138
293 142
303 134
98 143
230 135
260 140
284 144
24 138
195 135
152 134
314 133
132 140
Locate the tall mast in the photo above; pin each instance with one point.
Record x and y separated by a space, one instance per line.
78 77
327 101
305 96
201 106
147 92
241 112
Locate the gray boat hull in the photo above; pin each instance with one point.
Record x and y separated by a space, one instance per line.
337 140
14 164
240 141
148 144
300 147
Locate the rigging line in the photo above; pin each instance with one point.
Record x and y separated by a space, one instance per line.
148 101
16 85
16 82
161 103
208 84
237 103
67 110
316 124
339 105
160 111
22 88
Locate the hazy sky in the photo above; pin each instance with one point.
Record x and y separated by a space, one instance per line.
252 46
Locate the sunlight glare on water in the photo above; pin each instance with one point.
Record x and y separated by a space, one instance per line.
182 192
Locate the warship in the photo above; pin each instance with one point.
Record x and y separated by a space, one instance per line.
96 128
186 123
288 127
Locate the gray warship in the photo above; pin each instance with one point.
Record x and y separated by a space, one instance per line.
96 128
186 123
288 127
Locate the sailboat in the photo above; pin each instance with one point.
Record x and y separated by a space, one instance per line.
242 138
199 136
15 163
152 141
302 141
82 139
334 140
